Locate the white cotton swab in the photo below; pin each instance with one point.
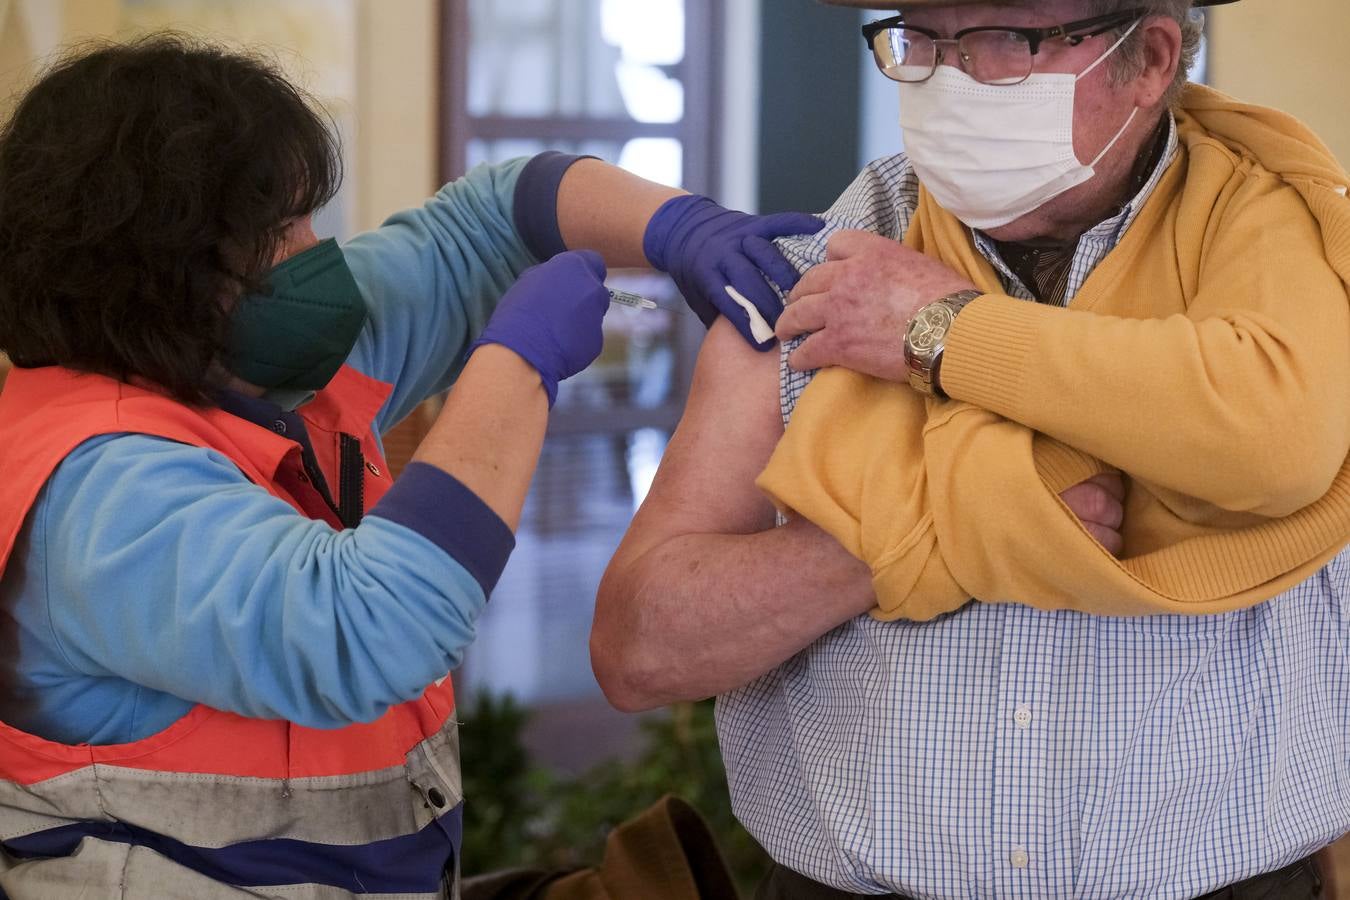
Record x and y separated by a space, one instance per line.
759 329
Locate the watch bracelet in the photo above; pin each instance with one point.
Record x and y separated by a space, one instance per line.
927 380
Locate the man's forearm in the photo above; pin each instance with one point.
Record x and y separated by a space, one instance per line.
699 615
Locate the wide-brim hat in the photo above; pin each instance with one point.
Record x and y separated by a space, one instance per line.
910 4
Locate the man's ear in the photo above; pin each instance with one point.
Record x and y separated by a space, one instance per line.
1161 41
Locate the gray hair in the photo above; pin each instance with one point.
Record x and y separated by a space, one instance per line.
1128 61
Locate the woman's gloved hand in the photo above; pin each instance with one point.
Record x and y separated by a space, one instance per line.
707 248
552 317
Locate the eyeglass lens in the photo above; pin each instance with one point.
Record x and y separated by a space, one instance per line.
992 56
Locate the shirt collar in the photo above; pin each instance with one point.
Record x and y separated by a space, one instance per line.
258 410
264 413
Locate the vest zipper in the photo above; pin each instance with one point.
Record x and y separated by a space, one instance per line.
351 481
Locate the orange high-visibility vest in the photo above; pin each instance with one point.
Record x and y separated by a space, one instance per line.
218 805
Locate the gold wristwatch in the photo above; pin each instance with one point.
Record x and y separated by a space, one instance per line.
926 337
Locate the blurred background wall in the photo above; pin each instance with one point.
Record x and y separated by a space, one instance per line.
1287 55
372 64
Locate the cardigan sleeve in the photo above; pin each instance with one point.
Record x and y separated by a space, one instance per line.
1240 401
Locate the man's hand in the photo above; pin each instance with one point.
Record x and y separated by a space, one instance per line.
858 303
1099 505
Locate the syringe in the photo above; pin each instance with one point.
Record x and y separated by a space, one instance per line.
629 299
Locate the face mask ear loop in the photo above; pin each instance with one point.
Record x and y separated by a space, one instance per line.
1111 143
1112 49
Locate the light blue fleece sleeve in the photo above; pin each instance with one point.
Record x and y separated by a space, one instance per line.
157 575
431 277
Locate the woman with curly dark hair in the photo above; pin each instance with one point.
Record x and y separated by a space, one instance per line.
232 627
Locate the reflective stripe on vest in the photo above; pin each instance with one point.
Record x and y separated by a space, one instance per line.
218 805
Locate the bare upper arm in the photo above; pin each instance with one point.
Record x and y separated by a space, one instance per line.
731 424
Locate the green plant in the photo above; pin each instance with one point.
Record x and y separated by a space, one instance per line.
520 815
502 792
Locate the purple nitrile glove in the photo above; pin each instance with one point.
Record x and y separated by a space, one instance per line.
706 248
552 317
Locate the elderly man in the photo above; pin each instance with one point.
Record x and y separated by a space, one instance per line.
1004 750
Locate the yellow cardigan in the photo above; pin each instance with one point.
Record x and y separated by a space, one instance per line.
1207 357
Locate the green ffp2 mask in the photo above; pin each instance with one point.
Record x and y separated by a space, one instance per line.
297 336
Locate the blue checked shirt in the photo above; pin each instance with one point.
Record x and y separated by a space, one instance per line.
1005 752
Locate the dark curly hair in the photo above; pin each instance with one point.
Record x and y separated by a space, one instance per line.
143 187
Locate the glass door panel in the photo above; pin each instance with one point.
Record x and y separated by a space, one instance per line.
631 83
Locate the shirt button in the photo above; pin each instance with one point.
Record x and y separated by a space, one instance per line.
1022 716
279 426
1019 858
374 469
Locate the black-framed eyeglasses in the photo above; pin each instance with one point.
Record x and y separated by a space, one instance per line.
989 54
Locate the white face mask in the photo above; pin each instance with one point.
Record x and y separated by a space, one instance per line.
990 154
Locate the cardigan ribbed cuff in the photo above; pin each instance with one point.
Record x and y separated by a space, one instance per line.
988 351
1061 466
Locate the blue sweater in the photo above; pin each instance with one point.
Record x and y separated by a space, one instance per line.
151 575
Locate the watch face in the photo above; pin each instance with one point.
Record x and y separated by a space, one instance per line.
929 328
